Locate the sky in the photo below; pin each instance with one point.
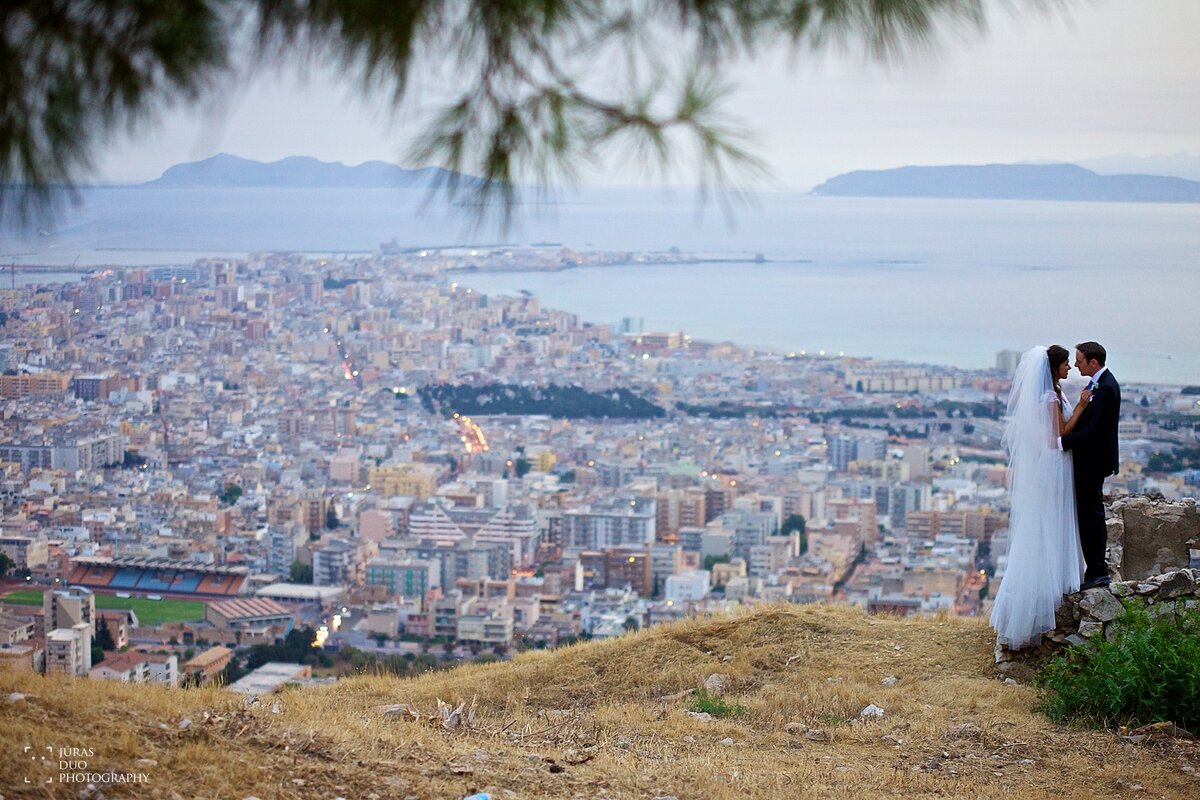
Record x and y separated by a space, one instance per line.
1105 77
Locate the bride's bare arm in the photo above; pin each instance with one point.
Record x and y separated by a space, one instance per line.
1068 426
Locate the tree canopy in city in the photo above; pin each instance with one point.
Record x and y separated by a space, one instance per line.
529 89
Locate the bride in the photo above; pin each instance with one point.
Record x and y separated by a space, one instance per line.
1045 560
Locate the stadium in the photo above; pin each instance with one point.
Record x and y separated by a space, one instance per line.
158 576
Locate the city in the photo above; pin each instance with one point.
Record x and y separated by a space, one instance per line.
366 455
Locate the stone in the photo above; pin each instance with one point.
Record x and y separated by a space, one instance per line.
965 731
814 735
16 697
1066 615
184 724
727 741
1122 588
1147 589
890 680
1076 640
716 683
1127 785
1156 536
1175 584
145 762
871 711
794 728
1099 604
1089 628
701 715
1116 526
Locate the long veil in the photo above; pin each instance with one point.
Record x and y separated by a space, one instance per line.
1044 556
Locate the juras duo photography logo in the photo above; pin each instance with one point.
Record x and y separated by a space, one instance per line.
50 764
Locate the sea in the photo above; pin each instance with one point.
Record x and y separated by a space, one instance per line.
920 280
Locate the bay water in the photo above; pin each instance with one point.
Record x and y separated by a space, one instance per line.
926 281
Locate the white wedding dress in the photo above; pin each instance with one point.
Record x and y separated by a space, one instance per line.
1045 560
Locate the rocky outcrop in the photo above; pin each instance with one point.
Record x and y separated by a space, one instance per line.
1150 549
1151 537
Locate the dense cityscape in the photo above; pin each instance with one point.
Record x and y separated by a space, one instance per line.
205 466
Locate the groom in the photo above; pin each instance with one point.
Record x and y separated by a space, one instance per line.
1093 445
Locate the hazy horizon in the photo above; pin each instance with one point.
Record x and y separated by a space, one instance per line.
1093 81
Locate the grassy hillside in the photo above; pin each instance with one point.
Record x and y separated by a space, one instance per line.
606 720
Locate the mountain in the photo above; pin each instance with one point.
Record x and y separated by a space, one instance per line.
1179 165
1011 182
223 170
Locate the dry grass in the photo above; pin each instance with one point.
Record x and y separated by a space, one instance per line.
591 721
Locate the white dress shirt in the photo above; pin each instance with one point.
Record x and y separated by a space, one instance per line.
1093 382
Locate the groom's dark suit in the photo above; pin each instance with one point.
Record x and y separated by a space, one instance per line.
1093 446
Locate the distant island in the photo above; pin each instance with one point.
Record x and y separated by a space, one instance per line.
302 172
1011 182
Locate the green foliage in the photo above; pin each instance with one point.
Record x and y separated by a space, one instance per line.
1174 461
727 410
75 72
712 560
104 637
716 705
569 402
1149 672
526 107
794 523
232 673
6 563
97 653
231 494
300 573
296 648
132 460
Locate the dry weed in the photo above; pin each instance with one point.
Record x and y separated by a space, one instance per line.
609 719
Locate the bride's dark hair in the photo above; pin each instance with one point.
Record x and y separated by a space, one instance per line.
1057 355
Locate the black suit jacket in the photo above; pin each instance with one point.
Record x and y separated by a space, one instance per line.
1093 442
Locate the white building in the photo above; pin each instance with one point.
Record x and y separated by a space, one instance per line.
688 585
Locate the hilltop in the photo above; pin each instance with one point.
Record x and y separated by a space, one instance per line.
1012 182
227 171
609 719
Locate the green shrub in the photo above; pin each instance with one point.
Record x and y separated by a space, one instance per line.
1149 672
716 705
